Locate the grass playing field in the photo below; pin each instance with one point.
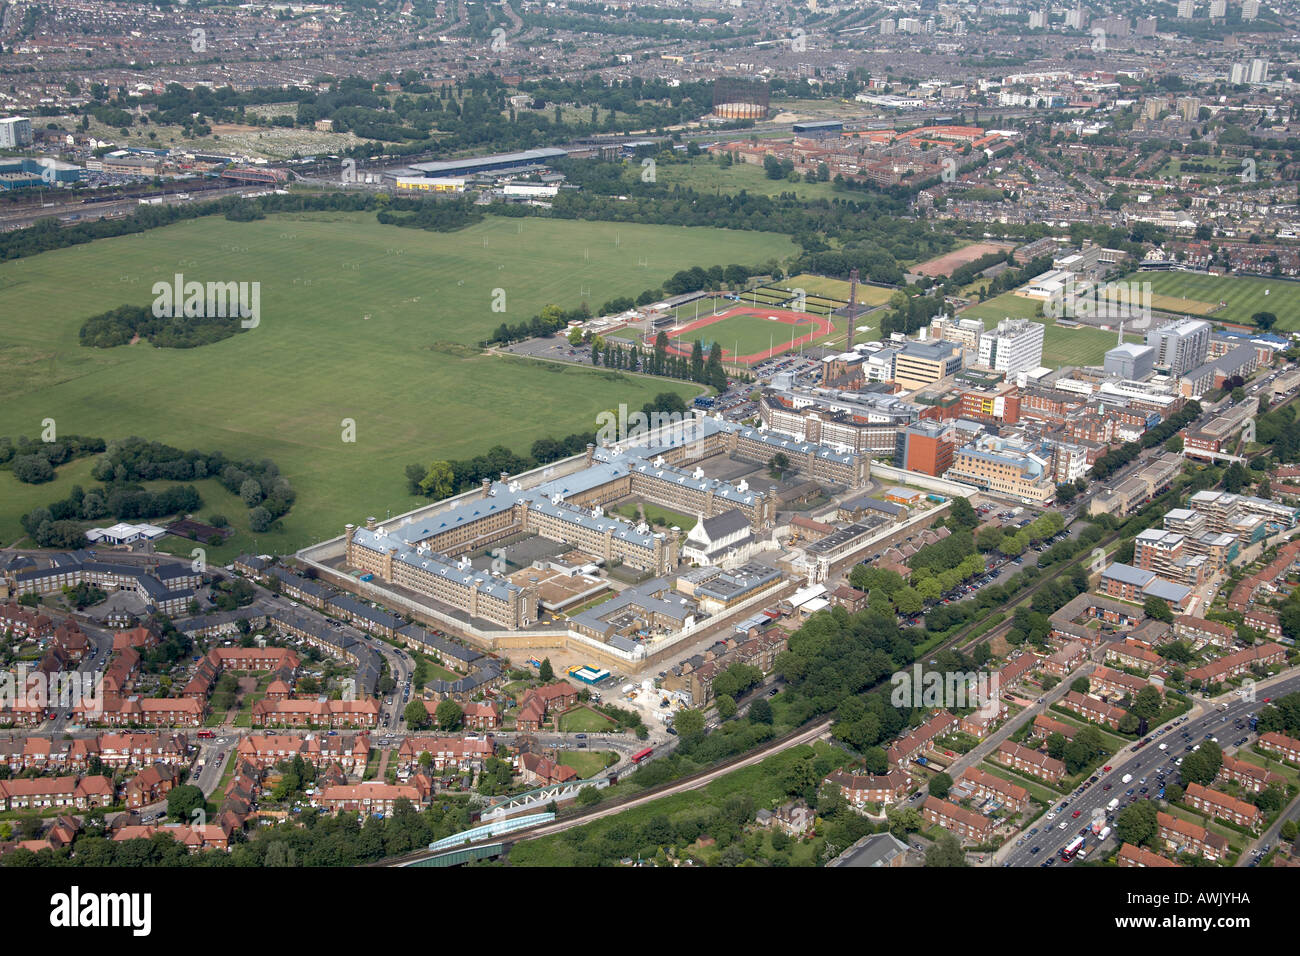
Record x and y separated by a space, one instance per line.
703 308
709 176
1061 345
749 334
358 321
836 289
1244 295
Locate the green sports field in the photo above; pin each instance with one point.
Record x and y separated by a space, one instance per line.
1243 295
358 321
869 295
748 334
1062 345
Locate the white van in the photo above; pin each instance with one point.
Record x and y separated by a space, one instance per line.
1114 802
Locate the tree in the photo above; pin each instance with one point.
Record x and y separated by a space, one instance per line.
588 796
946 851
940 785
417 715
1157 608
1264 320
760 711
259 519
1080 685
251 492
726 707
449 714
689 723
546 673
1147 703
1136 823
182 801
1175 444
1202 764
908 601
1234 478
439 481
961 514
1056 744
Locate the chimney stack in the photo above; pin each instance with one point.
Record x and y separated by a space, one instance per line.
853 309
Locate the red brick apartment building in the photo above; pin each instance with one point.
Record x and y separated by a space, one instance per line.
1239 663
369 797
966 825
1184 837
918 741
40 793
1090 708
1130 855
1218 804
540 702
456 752
1204 632
314 712
1288 748
983 785
1045 726
1247 775
1031 762
861 789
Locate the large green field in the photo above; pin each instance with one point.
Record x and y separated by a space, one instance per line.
749 334
710 176
1061 345
358 321
1243 295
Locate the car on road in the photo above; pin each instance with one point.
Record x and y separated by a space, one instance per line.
1034 850
1075 815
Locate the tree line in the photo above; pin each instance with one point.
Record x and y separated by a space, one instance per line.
33 462
121 325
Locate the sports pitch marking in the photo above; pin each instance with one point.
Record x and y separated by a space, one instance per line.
682 340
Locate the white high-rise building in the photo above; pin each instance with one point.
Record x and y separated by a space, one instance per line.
1037 20
1249 9
1186 9
1016 345
1074 19
887 27
1218 9
15 132
1180 346
1238 74
1258 71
